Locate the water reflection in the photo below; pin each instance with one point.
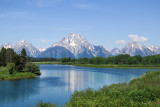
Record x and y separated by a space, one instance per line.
80 80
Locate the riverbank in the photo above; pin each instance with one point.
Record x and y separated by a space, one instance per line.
137 66
4 75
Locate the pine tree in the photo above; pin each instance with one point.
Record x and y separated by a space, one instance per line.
23 58
9 55
17 61
3 57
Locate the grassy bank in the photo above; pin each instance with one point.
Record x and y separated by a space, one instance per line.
47 63
4 74
136 66
119 66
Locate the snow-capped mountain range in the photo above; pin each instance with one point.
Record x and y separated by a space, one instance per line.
80 47
77 46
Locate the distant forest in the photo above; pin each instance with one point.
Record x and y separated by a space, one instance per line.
120 59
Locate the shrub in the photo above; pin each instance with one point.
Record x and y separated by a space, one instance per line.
11 67
30 67
41 104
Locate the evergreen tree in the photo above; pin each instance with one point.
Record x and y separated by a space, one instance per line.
3 57
9 55
17 61
23 58
0 59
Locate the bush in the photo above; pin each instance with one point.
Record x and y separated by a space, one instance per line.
11 68
41 104
30 67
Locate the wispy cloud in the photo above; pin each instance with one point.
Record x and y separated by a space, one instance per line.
46 3
13 14
120 42
85 6
138 38
41 4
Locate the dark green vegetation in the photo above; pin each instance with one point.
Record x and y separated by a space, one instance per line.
16 66
141 92
120 61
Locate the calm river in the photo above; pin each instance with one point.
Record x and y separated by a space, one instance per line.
58 82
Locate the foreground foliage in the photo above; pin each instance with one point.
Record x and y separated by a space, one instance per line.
144 91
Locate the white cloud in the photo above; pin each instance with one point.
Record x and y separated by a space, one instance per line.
138 38
120 42
43 41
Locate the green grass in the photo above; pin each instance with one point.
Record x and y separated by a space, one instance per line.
143 92
4 75
137 66
47 62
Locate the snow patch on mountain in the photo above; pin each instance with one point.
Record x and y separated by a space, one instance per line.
115 52
42 49
8 45
155 49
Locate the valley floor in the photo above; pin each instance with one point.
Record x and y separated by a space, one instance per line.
138 66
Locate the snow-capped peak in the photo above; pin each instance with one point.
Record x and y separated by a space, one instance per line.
73 42
23 42
135 48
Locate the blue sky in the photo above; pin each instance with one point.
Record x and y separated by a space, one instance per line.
111 23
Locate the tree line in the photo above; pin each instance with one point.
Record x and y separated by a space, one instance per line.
17 62
120 59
